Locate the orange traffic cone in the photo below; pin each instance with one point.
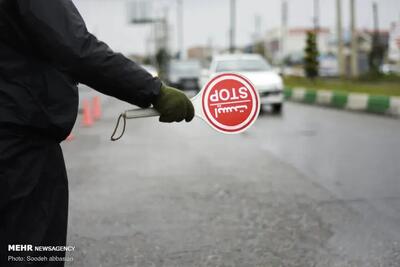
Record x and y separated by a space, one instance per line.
70 137
96 107
87 114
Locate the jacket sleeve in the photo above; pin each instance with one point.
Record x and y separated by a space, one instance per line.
60 34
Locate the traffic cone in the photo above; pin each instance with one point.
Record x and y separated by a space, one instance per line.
96 107
87 114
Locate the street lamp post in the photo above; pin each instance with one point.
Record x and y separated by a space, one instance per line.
233 26
354 40
284 22
180 27
316 17
339 32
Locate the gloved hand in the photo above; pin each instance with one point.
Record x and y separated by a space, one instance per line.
173 105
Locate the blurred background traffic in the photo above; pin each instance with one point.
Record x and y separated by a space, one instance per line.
307 185
180 40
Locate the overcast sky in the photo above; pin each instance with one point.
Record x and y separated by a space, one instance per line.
208 21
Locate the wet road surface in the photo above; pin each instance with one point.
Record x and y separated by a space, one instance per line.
313 187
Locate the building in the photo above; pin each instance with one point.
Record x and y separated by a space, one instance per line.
394 44
293 43
202 53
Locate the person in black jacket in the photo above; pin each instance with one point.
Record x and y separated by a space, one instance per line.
45 51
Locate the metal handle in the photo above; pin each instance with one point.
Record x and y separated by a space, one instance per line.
141 113
132 114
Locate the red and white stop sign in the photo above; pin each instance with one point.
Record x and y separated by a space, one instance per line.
230 103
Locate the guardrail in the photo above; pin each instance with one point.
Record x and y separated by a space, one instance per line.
343 100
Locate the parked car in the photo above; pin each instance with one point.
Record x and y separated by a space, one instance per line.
184 74
390 69
268 83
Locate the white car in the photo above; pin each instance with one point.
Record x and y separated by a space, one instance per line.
184 74
268 83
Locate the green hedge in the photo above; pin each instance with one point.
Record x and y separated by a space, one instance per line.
378 104
310 96
288 92
339 99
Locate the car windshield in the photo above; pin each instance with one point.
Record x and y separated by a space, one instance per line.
242 65
185 67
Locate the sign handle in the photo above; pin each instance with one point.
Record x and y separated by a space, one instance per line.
141 113
145 113
151 112
132 114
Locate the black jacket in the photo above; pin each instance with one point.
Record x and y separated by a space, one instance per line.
45 50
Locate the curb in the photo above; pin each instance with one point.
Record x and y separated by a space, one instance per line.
343 100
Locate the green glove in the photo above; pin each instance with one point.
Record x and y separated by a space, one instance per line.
173 105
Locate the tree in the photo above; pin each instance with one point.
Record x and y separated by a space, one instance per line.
259 48
376 56
162 58
311 63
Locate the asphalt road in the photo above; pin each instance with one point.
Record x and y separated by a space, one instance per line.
313 187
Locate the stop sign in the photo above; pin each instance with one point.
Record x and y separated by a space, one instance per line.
230 103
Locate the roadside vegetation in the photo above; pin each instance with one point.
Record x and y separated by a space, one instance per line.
385 85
